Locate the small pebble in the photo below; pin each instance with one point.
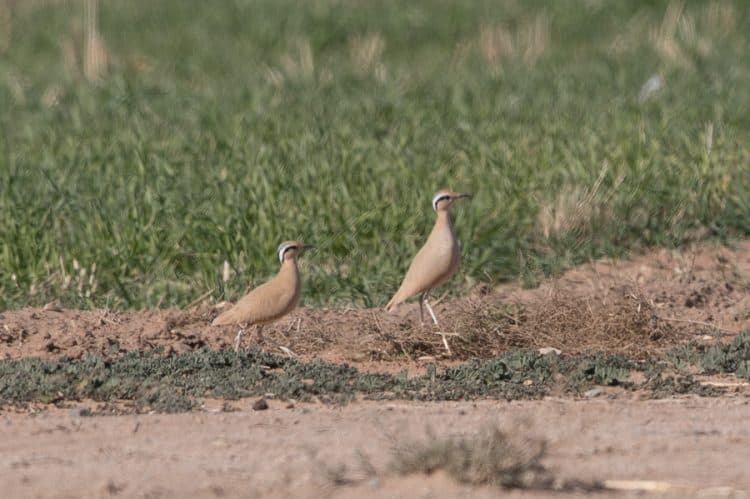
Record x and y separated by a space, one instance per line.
546 350
79 412
594 392
260 404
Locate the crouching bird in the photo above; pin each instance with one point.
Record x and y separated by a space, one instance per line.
269 301
436 261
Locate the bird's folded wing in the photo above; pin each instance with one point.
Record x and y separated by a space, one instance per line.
264 303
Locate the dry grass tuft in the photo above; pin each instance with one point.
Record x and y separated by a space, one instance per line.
534 38
365 52
664 37
496 43
576 209
299 64
682 33
296 65
95 55
623 320
720 17
527 43
489 457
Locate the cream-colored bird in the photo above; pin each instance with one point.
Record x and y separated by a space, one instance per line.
271 300
436 261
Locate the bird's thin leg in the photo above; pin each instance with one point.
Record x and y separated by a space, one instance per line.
238 338
292 325
429 309
259 330
422 298
434 319
287 350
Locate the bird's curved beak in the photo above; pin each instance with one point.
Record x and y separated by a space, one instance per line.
308 246
462 195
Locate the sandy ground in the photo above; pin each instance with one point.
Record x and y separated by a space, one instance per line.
692 447
697 447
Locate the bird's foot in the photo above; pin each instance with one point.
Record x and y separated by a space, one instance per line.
288 352
293 325
445 341
237 340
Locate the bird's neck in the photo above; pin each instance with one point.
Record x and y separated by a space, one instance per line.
289 265
443 221
289 270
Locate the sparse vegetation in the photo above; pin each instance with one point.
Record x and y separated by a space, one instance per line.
489 456
732 358
140 154
173 383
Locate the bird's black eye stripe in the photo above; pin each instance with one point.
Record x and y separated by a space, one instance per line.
437 199
284 249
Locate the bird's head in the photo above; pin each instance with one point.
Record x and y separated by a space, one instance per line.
290 249
444 199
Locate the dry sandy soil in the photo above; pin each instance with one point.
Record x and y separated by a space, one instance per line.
644 305
691 447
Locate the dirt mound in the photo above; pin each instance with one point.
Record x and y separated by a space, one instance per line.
638 307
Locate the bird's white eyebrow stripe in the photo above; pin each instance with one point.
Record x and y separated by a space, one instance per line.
283 249
437 198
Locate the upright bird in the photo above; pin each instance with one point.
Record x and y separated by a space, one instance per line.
436 261
271 300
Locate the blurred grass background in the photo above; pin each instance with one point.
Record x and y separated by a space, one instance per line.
144 144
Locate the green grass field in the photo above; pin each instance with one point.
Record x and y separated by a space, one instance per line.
219 129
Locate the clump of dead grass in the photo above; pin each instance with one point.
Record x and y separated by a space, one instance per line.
498 44
95 57
489 457
684 33
625 322
621 320
295 65
365 52
579 210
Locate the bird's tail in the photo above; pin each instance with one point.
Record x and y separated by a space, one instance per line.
222 319
392 304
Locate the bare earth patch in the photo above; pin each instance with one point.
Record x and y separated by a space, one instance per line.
638 307
688 447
